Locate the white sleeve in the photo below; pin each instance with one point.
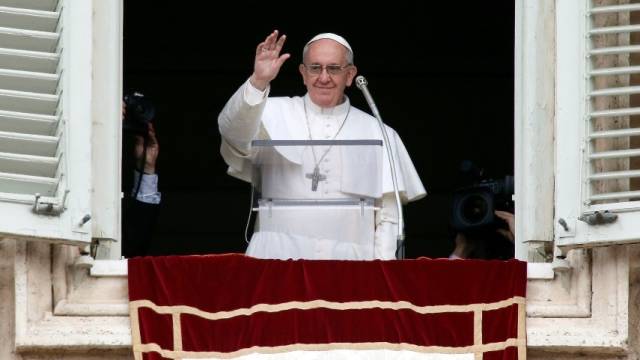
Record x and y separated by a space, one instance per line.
239 120
253 96
148 191
385 240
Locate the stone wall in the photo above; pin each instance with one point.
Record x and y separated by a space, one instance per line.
40 273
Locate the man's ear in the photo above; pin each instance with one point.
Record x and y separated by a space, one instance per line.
351 73
303 73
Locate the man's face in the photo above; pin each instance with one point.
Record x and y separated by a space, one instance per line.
325 72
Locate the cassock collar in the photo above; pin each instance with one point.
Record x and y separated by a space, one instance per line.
339 110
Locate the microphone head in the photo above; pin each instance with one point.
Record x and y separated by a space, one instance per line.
361 82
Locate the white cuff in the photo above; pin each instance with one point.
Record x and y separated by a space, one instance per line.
148 191
254 96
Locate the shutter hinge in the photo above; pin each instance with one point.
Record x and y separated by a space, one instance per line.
50 206
599 218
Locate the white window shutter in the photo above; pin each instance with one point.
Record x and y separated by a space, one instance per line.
597 123
45 119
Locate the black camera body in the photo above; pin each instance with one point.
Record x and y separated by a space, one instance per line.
140 111
473 205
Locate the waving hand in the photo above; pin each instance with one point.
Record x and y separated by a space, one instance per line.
268 60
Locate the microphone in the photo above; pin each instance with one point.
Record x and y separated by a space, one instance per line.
361 83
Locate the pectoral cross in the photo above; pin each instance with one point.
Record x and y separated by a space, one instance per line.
315 177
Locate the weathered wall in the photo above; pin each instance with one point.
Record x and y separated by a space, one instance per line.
88 355
40 260
634 323
7 249
634 301
39 288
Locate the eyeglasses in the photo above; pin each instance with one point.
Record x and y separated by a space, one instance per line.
332 69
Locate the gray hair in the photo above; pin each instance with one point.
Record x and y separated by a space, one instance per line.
305 50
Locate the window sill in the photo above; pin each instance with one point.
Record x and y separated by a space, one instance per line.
118 268
109 268
540 271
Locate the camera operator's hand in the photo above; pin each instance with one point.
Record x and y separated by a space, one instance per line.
462 247
148 164
509 218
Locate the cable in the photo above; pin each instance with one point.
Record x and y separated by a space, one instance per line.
246 229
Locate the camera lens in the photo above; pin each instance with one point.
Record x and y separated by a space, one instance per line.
474 209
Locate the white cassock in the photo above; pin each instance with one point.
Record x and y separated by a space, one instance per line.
251 115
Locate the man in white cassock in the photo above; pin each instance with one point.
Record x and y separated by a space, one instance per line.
324 113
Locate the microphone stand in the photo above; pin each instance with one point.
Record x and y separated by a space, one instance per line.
361 83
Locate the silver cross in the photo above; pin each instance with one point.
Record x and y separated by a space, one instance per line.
315 177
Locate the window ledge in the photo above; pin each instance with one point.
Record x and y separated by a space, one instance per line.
540 271
105 268
109 268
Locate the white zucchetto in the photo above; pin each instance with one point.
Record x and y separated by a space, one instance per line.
337 38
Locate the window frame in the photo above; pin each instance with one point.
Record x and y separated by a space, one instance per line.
107 127
534 76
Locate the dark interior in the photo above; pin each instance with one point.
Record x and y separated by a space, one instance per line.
441 76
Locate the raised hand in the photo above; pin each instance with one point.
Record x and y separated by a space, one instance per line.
148 164
268 60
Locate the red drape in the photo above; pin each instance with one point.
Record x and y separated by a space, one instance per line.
232 305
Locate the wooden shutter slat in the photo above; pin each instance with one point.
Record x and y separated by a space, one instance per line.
43 166
28 39
17 183
28 19
36 61
46 5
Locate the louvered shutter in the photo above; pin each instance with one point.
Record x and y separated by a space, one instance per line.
597 123
45 119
